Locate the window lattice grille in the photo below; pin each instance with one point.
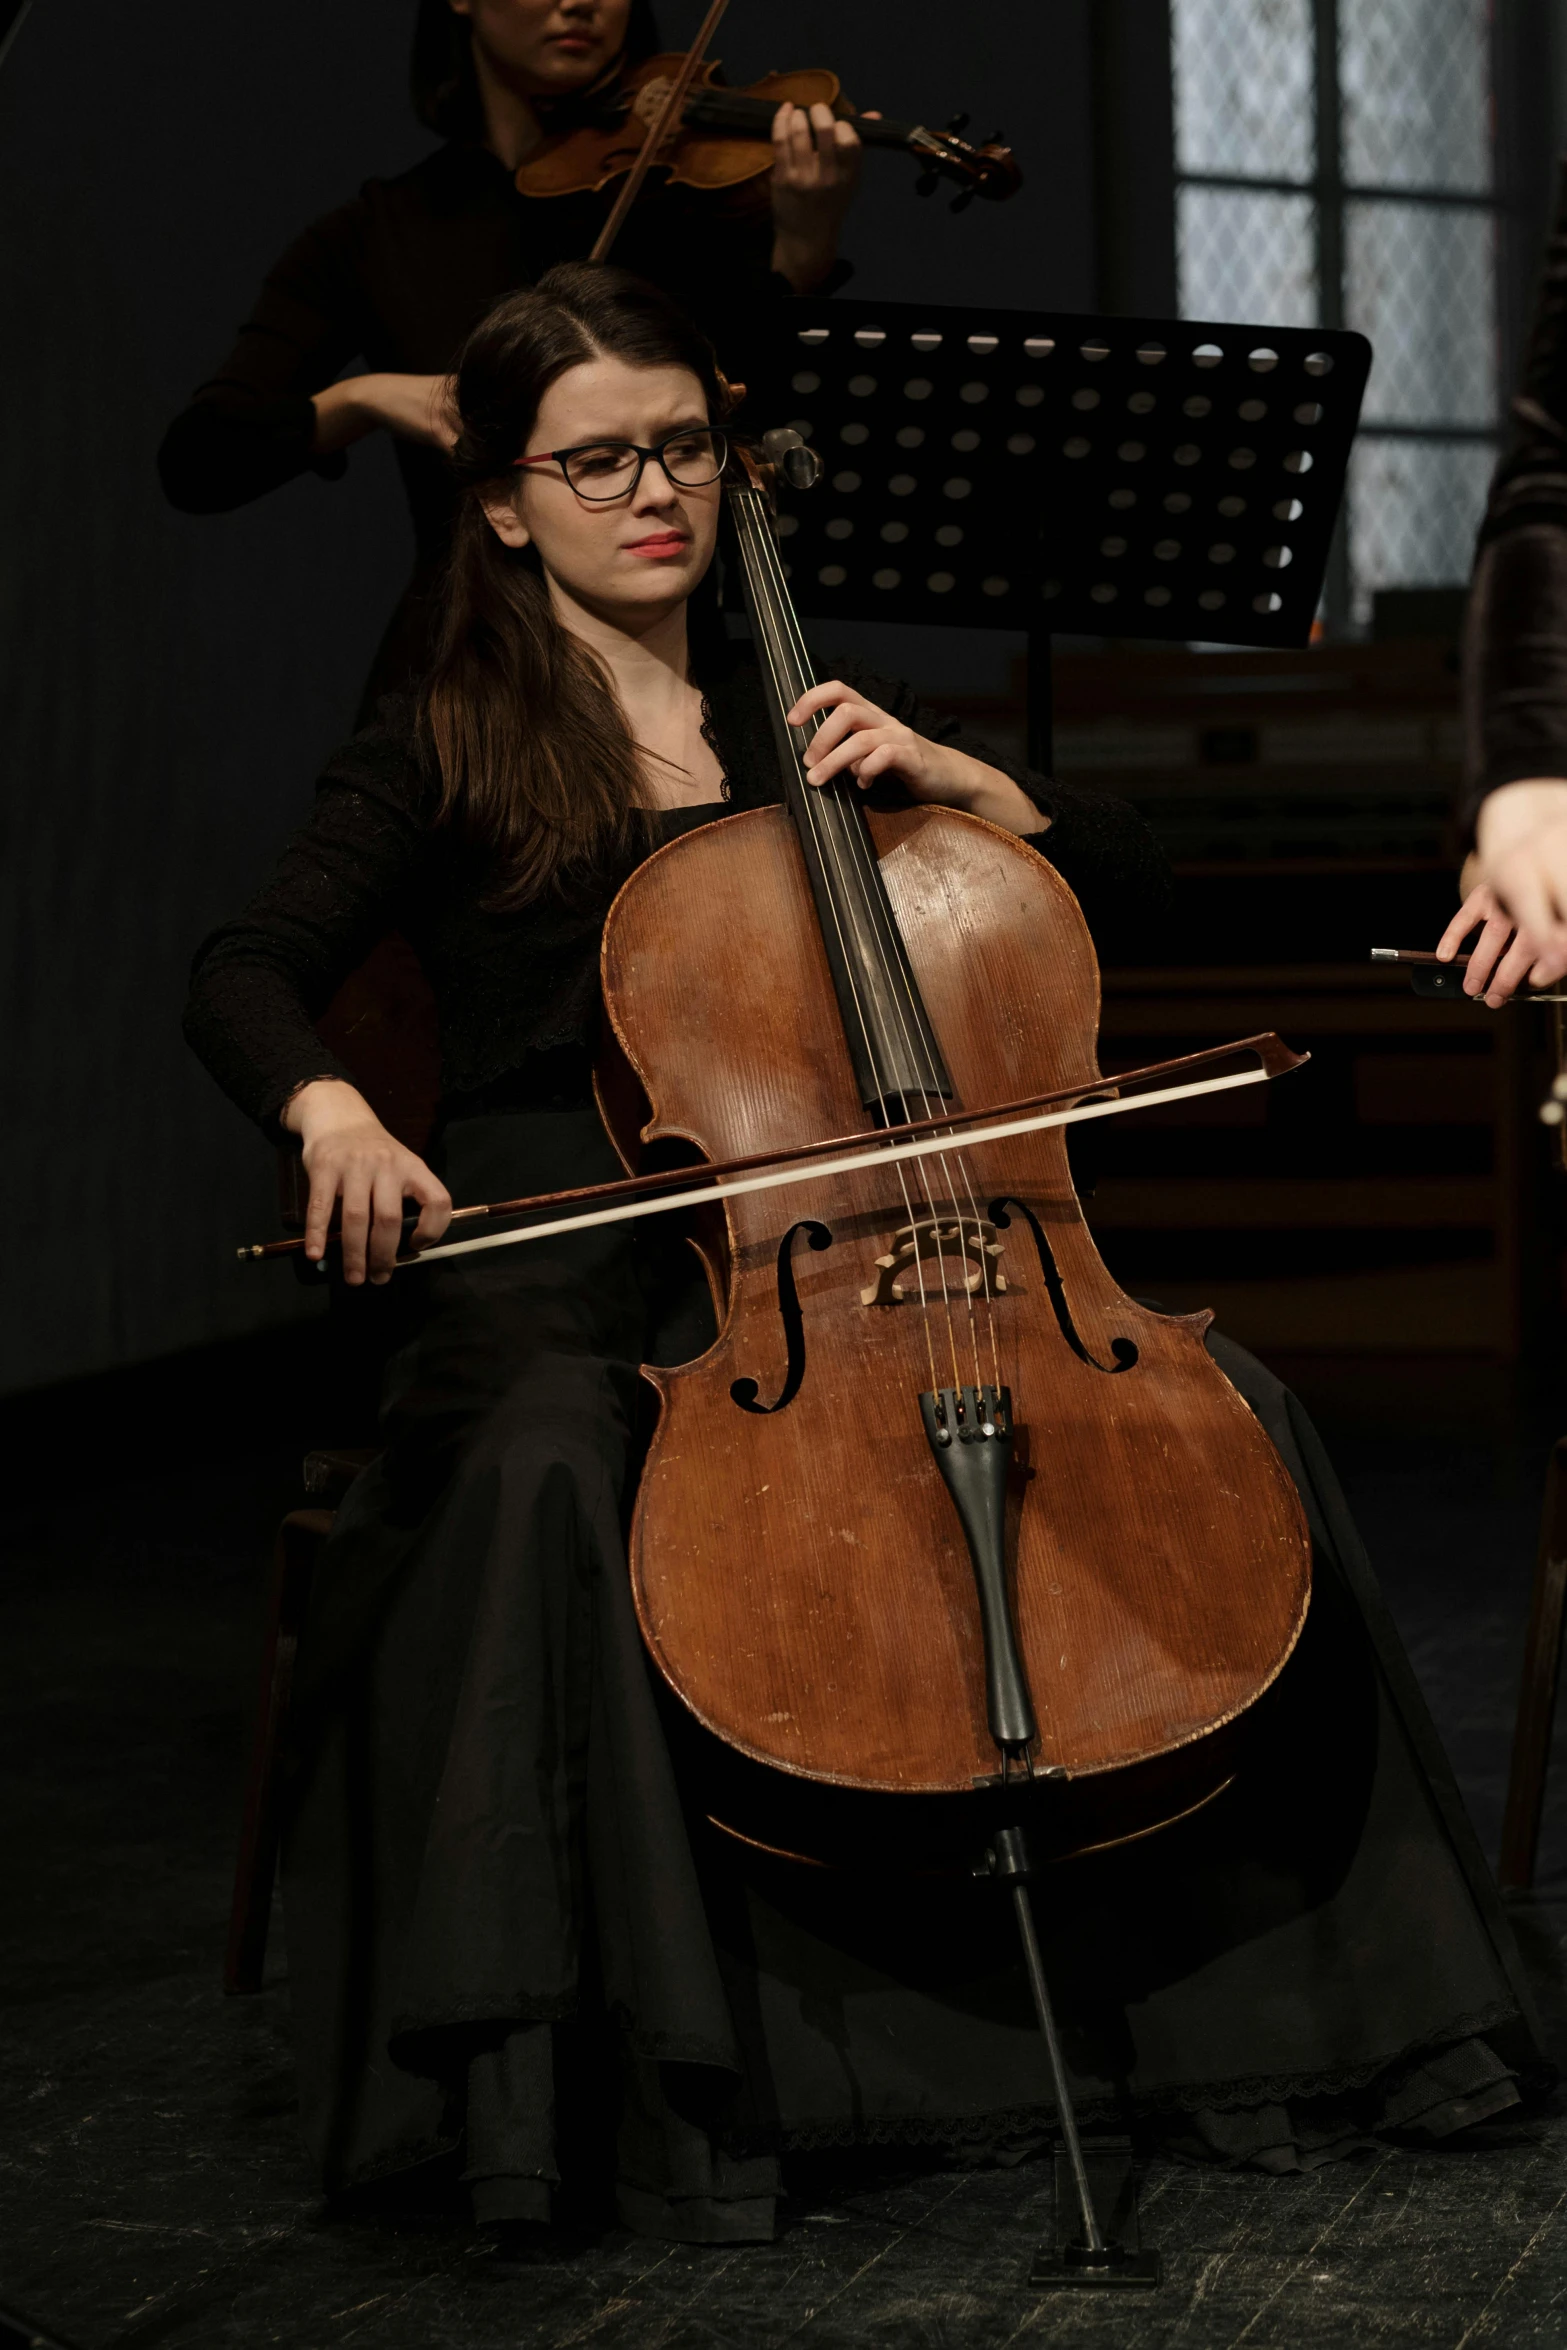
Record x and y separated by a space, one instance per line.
1243 68
1247 254
1401 217
1418 280
1415 84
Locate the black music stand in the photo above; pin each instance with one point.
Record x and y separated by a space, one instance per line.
1062 473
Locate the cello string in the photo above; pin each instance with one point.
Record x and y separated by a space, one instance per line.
841 821
771 599
826 819
753 535
848 822
902 985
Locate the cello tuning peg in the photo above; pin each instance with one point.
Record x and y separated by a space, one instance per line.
926 184
800 466
959 122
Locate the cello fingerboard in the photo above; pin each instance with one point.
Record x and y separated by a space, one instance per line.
896 1058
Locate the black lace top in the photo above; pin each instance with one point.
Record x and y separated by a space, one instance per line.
517 994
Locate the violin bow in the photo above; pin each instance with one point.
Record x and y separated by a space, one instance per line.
919 1138
1553 1110
658 129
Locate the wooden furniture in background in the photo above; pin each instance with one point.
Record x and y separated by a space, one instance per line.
1370 1204
1385 1199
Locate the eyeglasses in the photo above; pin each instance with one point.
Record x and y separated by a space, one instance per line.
602 470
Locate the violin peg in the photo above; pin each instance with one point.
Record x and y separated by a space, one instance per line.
962 201
959 122
926 184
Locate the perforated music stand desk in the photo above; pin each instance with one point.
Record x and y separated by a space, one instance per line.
1063 474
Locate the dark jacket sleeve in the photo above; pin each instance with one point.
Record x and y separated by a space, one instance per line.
1100 846
259 983
1515 631
248 428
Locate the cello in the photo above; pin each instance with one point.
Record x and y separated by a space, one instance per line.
946 1547
1112 1560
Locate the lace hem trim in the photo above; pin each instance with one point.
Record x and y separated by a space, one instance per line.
1232 2096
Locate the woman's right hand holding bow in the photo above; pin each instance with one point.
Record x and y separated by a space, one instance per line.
364 1174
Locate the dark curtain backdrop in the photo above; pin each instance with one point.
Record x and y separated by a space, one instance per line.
168 684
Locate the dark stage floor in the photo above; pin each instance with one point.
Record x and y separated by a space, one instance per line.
151 2186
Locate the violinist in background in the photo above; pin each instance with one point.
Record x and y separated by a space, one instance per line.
515 1946
1514 883
399 276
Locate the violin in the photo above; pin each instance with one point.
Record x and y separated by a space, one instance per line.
720 138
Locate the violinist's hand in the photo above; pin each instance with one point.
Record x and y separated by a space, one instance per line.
858 738
1521 853
816 168
1500 958
350 1157
414 407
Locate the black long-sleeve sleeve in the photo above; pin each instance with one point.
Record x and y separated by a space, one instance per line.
343 881
1515 635
249 427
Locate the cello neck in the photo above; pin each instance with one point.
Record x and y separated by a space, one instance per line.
896 1058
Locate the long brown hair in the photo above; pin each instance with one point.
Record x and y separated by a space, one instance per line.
538 769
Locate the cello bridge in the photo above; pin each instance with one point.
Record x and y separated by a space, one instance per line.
970 1239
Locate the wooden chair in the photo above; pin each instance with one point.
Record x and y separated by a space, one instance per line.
382 1026
1542 1664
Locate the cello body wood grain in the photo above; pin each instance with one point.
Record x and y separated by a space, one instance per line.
800 1573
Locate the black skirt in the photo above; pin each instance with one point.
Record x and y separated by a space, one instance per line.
511 1945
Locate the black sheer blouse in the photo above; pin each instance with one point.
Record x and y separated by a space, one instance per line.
517 994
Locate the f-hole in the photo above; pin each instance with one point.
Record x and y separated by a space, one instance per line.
744 1392
1123 1349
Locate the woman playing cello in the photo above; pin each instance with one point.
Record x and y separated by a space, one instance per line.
514 1947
